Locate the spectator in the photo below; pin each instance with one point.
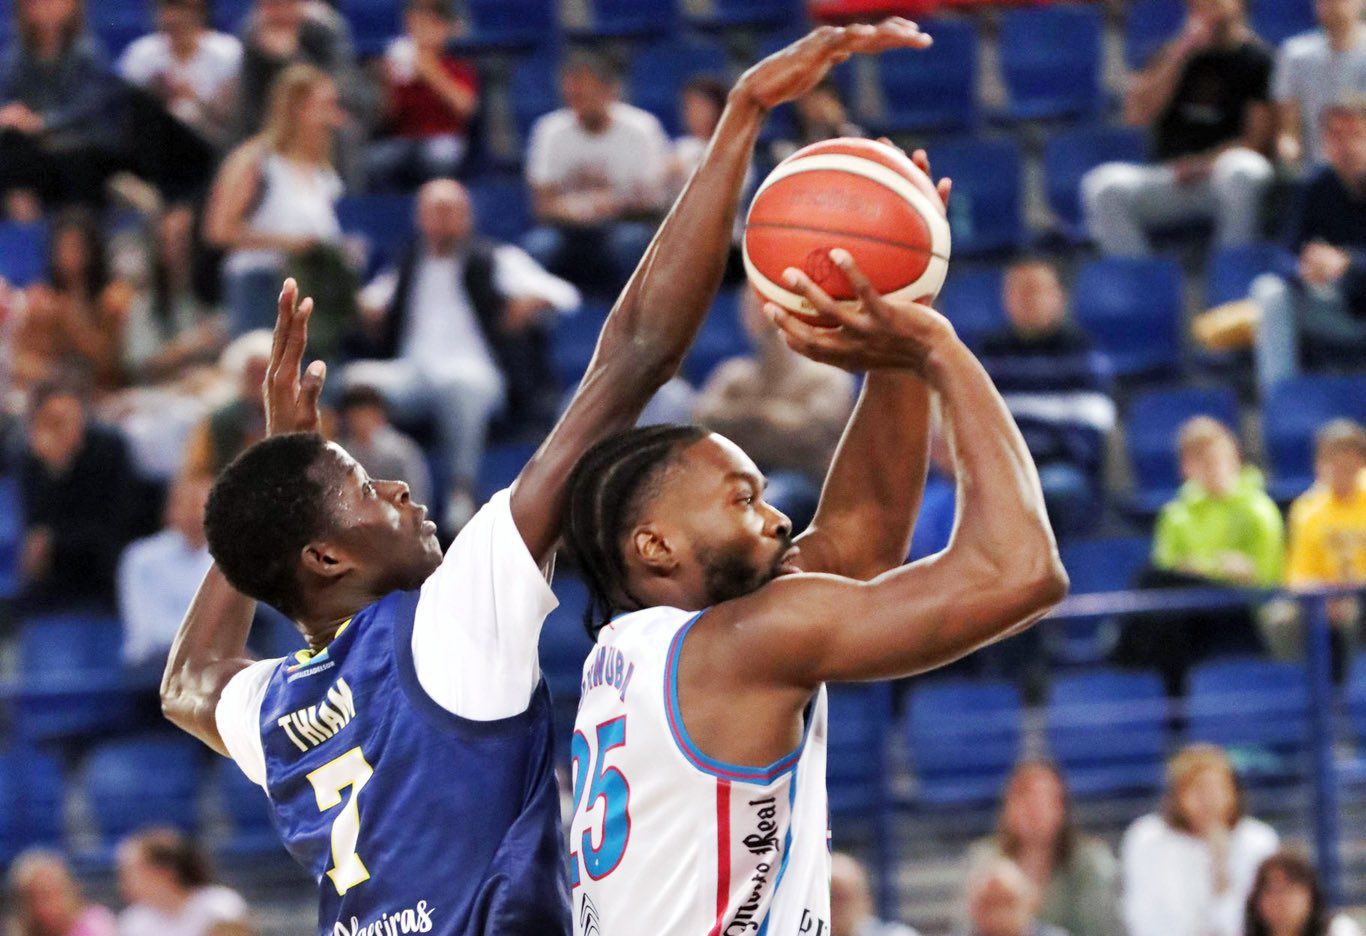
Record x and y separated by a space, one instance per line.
1002 901
1058 389
1313 70
233 928
1188 870
56 129
1316 313
1205 97
430 98
851 902
48 901
456 333
241 421
75 481
786 411
166 882
382 450
158 577
818 115
702 100
1286 900
76 318
598 170
168 327
1077 875
191 69
272 208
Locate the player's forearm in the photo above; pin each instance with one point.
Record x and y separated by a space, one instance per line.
872 492
209 649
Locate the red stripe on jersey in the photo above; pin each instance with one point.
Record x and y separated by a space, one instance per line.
722 853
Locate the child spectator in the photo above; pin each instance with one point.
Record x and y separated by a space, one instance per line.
382 450
169 888
1287 900
1188 870
702 100
1077 875
430 98
851 902
1313 70
1205 98
47 900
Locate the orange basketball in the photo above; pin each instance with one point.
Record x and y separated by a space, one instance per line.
861 195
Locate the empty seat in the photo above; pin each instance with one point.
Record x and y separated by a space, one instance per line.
985 210
1050 60
1231 270
71 678
1356 699
143 781
722 336
1277 20
963 737
534 89
564 642
659 70
576 336
750 14
23 252
929 89
502 463
373 23
1252 703
1104 564
856 759
502 207
1069 155
1107 731
629 18
383 222
510 25
971 298
119 22
31 791
1148 25
1132 308
248 810
1295 410
11 533
1150 428
230 15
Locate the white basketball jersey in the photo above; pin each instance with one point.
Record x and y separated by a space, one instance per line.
666 841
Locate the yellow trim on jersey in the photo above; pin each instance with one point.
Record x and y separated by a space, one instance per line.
303 656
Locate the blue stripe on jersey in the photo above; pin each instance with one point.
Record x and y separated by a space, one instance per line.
709 765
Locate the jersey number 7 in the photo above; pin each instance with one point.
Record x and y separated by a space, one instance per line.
608 787
349 770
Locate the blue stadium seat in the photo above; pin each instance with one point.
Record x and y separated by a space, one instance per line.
502 207
576 336
502 464
722 336
1148 25
1132 308
564 642
1277 20
1107 731
1356 699
23 252
142 781
1150 428
1231 270
31 791
71 680
971 298
1069 155
509 25
384 222
247 809
611 19
1104 564
229 15
985 212
930 89
119 22
11 532
534 89
963 737
856 756
750 14
659 70
1294 411
1258 706
1050 60
373 23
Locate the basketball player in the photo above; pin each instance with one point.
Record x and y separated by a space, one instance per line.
407 753
699 750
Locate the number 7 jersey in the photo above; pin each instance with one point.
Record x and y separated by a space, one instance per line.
666 841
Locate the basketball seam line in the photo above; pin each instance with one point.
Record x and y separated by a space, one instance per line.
868 237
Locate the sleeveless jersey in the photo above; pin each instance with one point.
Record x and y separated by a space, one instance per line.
666 841
411 818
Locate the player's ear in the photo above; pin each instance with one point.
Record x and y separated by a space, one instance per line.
653 550
325 560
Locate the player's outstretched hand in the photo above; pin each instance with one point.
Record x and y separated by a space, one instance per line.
874 332
791 72
291 400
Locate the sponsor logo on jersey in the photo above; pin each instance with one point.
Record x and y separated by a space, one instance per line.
415 919
310 727
305 660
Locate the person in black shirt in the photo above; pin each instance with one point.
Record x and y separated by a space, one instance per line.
1314 310
1205 97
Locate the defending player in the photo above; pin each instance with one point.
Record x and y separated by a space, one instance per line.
699 750
407 755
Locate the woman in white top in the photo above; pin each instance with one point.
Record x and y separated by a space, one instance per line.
1188 870
170 891
274 199
1286 900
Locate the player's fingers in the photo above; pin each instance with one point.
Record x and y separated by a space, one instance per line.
289 294
800 334
312 388
921 160
802 284
297 341
863 287
945 188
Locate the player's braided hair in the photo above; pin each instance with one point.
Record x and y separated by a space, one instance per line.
606 489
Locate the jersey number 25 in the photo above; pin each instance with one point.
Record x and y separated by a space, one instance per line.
608 787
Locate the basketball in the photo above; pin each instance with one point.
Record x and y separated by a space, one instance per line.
864 196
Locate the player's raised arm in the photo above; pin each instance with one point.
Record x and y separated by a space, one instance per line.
211 646
999 573
659 313
872 492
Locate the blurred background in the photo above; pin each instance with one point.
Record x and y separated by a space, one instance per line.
1159 224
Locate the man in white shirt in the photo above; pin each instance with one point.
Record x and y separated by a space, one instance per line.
457 334
598 170
1313 70
192 69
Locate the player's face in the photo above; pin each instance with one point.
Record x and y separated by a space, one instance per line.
714 500
379 526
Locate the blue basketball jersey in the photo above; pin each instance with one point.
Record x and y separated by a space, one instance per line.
410 818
